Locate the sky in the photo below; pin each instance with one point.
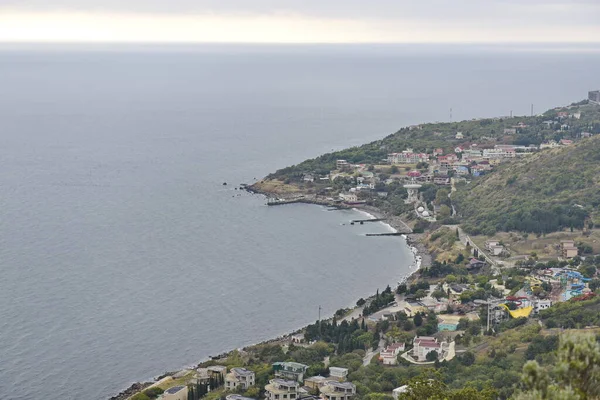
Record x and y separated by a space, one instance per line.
301 21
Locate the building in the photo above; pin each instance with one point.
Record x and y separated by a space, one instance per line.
566 142
315 382
510 131
338 373
297 338
239 378
441 180
471 154
459 135
290 370
280 389
494 247
549 145
334 390
176 393
476 264
349 197
539 305
499 153
424 345
341 164
398 391
202 375
594 96
389 355
217 370
568 249
407 157
237 397
461 170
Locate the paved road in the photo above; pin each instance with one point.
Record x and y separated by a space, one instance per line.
370 354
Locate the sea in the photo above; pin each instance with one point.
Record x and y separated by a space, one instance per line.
123 254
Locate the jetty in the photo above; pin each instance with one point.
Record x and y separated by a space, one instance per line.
279 202
386 234
356 221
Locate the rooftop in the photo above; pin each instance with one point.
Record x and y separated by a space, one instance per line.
317 378
237 397
242 371
174 389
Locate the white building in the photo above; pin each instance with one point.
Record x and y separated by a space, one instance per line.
341 164
499 153
424 345
389 356
349 197
407 157
459 135
338 373
241 378
398 391
539 305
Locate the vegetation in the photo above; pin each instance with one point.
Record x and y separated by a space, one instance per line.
549 191
572 314
575 375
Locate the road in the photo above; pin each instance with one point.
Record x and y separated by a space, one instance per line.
371 353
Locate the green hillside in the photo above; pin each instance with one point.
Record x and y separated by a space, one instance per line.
550 191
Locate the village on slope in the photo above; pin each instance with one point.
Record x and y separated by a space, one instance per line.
485 296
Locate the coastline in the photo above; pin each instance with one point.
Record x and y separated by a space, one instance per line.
420 254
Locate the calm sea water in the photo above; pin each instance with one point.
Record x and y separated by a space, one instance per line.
121 253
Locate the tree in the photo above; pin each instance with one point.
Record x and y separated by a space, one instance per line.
575 375
444 212
401 289
420 294
438 294
361 302
431 356
468 358
429 386
418 319
408 325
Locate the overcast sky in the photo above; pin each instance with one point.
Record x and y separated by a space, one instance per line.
310 21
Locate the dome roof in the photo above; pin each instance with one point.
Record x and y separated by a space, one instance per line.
420 209
426 213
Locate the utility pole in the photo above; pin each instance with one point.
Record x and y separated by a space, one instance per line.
320 322
450 114
532 109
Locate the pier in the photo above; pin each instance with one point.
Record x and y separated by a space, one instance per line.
386 234
361 221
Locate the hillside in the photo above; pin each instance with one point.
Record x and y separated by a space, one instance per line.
549 191
429 136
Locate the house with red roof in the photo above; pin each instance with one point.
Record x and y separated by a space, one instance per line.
423 345
389 355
